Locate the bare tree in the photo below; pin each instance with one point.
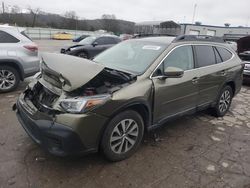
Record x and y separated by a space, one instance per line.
34 13
109 22
15 9
71 20
109 16
71 15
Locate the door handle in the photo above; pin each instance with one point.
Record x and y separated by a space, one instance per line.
195 80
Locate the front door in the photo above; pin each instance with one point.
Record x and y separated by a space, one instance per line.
175 96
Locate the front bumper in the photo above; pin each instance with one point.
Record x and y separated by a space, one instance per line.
77 137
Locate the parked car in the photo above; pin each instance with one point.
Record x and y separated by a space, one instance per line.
91 46
125 36
78 39
18 57
80 106
62 36
243 48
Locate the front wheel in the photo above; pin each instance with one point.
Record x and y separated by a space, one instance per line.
122 136
223 102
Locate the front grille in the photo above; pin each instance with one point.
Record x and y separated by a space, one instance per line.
247 66
46 97
42 98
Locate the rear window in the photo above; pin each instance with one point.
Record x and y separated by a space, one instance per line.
224 53
7 38
24 34
205 55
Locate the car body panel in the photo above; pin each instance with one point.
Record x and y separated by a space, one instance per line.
174 95
62 36
83 68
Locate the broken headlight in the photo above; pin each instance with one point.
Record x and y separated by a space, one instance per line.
83 104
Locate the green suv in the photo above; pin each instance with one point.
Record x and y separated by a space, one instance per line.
78 106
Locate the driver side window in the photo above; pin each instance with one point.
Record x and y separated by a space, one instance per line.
181 57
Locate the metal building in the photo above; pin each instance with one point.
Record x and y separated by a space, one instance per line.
228 33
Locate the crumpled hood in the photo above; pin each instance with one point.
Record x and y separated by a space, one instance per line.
73 72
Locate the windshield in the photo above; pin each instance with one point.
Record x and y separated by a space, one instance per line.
132 56
88 40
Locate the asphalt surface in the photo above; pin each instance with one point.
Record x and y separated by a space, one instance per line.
193 151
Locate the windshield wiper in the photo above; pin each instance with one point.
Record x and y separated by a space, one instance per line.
124 76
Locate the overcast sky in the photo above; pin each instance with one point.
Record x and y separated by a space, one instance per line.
213 12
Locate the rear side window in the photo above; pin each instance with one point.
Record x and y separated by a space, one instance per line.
112 41
105 40
205 55
217 56
7 38
224 53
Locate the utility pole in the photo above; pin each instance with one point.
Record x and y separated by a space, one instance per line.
3 7
195 6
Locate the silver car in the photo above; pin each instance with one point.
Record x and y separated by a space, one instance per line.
18 57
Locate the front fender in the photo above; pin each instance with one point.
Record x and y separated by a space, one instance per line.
14 63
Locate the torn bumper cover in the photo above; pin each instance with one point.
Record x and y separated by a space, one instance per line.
54 137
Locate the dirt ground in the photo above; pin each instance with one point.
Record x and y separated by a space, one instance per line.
193 151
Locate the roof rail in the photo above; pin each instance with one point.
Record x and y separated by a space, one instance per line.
142 35
205 38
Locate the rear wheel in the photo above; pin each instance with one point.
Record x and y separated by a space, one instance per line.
122 136
223 102
9 79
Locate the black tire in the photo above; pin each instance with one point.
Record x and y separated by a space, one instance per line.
217 110
127 117
83 55
16 79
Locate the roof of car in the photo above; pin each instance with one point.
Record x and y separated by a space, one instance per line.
164 40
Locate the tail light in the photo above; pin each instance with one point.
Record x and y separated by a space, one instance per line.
32 48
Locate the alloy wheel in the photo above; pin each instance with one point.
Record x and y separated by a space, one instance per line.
225 100
124 136
7 79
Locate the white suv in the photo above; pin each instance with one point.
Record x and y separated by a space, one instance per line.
18 57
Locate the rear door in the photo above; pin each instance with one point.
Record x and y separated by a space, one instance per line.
212 73
175 96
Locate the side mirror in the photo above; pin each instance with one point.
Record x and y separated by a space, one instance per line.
173 72
95 44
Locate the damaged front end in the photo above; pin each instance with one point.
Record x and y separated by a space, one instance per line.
53 92
56 108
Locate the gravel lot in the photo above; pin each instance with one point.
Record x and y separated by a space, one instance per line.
193 151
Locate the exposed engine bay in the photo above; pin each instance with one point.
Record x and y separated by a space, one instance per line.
107 81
